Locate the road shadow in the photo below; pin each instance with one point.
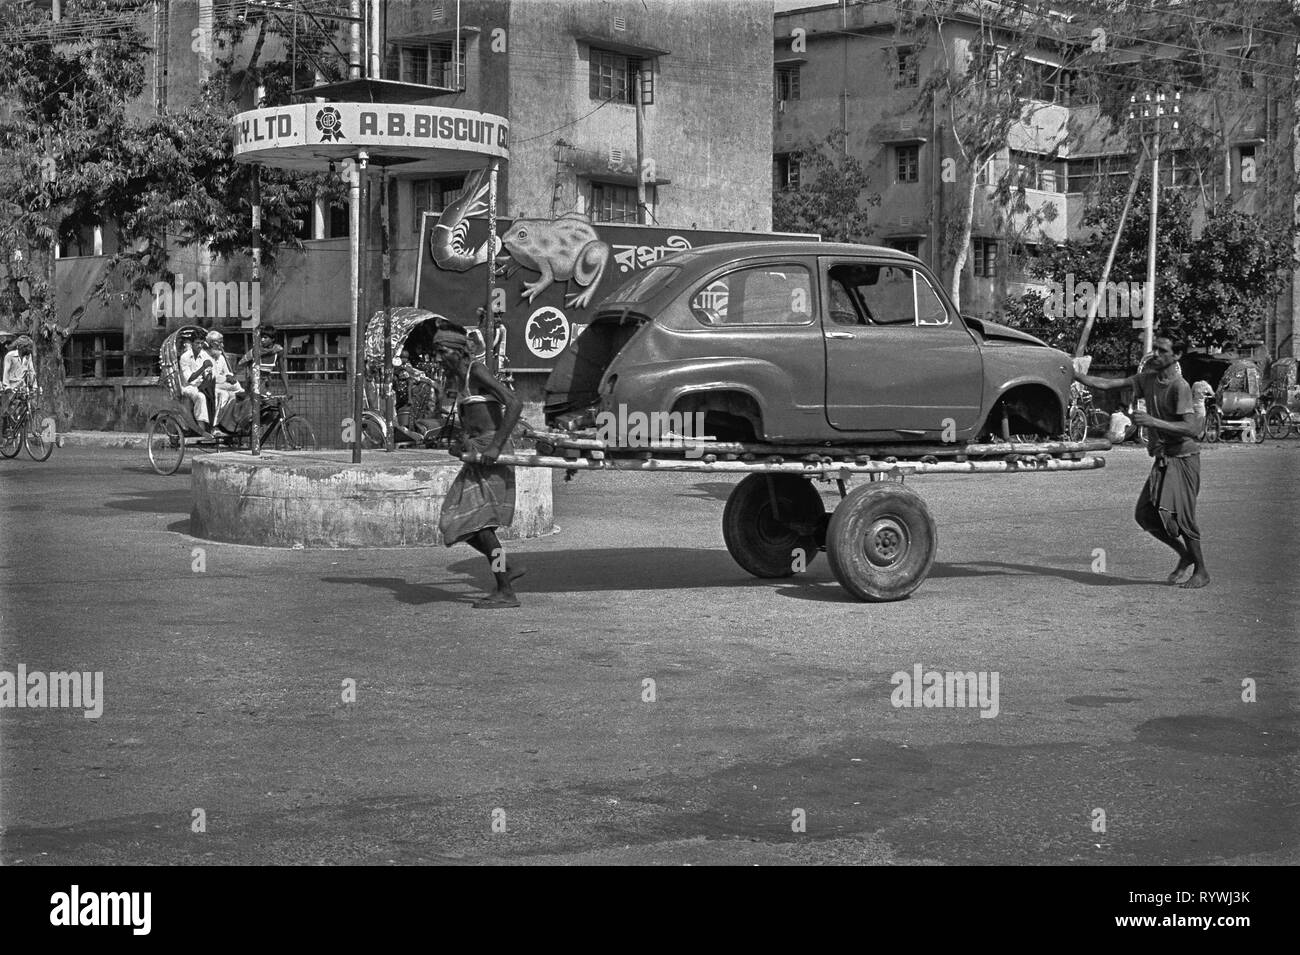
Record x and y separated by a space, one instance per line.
709 490
182 471
175 501
993 568
405 591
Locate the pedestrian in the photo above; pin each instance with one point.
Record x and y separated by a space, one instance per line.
1166 508
482 496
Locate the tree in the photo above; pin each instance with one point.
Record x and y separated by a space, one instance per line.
72 158
829 198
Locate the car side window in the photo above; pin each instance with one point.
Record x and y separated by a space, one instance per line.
762 295
886 295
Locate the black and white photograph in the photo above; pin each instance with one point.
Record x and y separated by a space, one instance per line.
650 433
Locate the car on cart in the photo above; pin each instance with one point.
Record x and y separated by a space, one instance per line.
798 342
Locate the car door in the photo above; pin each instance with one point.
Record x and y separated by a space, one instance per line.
899 361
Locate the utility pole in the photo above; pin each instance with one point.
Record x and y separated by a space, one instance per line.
1151 111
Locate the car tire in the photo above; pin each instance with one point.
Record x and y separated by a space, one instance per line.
763 541
881 542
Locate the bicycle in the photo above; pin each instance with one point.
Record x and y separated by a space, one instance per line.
22 429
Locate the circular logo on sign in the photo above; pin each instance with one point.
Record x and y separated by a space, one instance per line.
330 122
547 332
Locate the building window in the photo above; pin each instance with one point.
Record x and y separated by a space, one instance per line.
616 76
317 354
613 203
433 195
93 355
986 258
427 64
906 66
787 83
1048 83
1094 171
785 172
910 246
986 61
1032 171
908 163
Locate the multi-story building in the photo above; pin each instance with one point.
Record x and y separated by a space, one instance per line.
565 74
851 68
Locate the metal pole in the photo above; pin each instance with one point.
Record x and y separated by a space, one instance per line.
354 41
489 321
386 292
640 154
354 265
374 39
255 434
1149 299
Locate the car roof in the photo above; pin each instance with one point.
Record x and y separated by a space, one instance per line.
708 256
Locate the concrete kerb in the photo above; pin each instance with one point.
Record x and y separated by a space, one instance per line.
322 499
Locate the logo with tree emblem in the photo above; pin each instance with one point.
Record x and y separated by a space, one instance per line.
547 332
330 122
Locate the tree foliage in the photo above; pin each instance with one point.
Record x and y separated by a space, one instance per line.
832 196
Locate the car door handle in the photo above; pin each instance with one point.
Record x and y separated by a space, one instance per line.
840 335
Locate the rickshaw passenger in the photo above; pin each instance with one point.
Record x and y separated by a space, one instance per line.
227 385
192 373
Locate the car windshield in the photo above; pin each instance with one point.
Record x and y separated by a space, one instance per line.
642 285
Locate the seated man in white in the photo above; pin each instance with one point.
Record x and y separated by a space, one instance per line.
227 385
192 375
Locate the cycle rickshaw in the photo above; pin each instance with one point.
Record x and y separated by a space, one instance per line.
1283 415
173 429
1238 404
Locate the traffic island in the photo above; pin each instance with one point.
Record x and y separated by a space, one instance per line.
322 499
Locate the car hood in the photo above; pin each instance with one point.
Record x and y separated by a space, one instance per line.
992 331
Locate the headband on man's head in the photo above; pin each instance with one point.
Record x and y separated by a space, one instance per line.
451 337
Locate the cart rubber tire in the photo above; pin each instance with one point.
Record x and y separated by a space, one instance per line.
762 543
295 434
166 444
881 541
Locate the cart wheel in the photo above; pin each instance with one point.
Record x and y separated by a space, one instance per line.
762 541
38 449
1278 423
1212 429
1077 430
12 440
295 434
881 541
166 444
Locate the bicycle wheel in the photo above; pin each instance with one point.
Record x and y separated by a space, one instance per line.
11 441
1077 430
1261 427
38 449
295 434
166 444
1212 429
1278 423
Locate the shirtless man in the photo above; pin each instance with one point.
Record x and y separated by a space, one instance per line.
1166 508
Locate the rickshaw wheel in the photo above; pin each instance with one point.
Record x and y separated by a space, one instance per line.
1078 426
166 444
1212 427
295 434
1261 429
374 430
1278 423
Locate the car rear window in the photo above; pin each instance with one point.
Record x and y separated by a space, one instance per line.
763 295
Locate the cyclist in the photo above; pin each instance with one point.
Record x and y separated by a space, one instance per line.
272 363
19 373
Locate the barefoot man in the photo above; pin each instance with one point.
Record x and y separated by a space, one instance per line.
482 498
1166 508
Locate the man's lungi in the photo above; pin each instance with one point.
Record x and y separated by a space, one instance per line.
482 496
1168 498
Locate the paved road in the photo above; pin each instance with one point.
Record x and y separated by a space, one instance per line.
223 688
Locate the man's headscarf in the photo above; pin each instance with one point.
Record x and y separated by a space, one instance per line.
23 341
451 337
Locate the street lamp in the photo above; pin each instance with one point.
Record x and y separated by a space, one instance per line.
1151 111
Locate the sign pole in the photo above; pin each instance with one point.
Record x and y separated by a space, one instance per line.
489 319
255 379
386 293
354 266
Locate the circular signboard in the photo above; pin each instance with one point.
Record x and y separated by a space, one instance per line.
423 138
546 332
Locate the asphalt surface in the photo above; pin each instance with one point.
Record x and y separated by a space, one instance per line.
223 689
